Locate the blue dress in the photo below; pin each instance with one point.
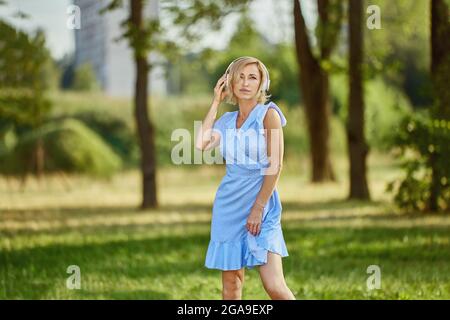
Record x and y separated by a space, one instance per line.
231 245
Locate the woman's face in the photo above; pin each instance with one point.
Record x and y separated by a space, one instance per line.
246 85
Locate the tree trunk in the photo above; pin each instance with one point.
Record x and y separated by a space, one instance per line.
39 153
144 126
357 147
440 74
440 56
314 84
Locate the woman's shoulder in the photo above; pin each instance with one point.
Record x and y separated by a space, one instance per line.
275 109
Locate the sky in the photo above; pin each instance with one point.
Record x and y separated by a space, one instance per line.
272 17
50 15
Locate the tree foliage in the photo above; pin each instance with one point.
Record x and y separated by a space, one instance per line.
84 78
424 145
24 106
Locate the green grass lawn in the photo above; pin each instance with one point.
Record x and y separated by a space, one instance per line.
159 254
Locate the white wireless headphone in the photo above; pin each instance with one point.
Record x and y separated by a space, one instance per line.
266 85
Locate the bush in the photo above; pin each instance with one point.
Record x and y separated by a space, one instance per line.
424 144
85 79
115 131
69 146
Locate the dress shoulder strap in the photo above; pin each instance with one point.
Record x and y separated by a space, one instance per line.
266 107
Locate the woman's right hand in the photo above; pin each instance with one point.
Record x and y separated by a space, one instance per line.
219 92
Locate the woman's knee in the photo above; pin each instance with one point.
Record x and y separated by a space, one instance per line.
233 280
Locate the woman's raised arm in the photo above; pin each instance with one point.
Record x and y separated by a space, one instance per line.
206 138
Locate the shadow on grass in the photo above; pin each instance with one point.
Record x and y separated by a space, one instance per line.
127 219
93 211
106 264
172 260
336 204
190 208
124 295
106 228
332 264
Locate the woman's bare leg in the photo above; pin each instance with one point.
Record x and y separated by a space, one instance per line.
232 283
273 279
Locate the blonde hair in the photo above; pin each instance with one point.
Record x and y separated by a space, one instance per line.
234 73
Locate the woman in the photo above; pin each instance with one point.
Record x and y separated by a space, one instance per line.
245 228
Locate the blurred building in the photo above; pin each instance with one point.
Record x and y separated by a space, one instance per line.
112 61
